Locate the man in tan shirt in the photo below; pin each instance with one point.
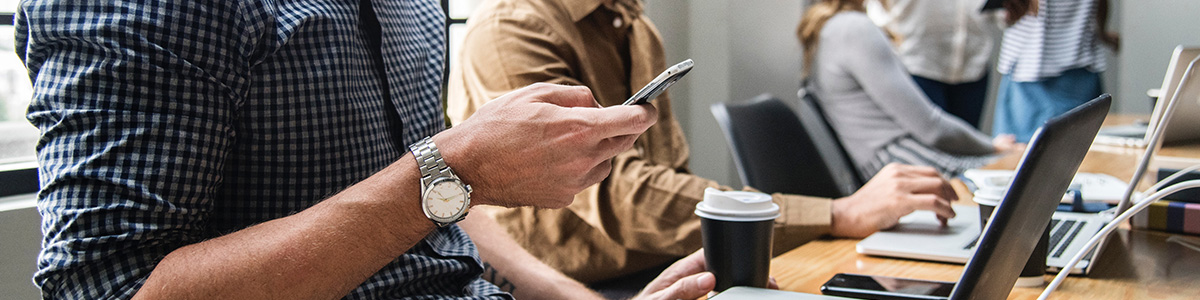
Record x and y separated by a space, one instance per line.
641 216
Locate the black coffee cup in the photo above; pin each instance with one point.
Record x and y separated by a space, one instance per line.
1035 267
737 229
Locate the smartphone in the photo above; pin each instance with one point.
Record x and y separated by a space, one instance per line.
886 288
660 83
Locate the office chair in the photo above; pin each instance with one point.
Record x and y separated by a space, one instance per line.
777 152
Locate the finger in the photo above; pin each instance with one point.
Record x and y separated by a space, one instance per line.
596 174
562 95
931 185
926 185
948 190
945 222
904 170
772 284
620 119
938 205
690 287
609 147
690 265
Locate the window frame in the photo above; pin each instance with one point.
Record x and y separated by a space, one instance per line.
18 178
446 54
446 41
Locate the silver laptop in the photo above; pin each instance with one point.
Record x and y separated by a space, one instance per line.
920 236
1184 121
749 293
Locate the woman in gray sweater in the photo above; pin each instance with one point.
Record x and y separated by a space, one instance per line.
879 113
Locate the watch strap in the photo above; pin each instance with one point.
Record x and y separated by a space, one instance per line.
429 160
432 167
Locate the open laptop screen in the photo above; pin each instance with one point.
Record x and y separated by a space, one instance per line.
1043 175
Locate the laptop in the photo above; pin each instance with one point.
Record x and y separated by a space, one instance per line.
920 236
1042 177
1184 120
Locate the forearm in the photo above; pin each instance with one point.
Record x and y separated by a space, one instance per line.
645 206
514 269
322 252
801 219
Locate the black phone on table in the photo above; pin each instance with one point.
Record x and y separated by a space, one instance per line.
660 83
886 288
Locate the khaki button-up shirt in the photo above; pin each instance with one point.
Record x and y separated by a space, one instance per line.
640 216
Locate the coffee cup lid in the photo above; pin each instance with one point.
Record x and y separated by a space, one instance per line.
737 206
990 190
988 197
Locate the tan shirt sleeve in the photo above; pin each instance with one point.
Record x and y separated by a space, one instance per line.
646 204
514 54
648 207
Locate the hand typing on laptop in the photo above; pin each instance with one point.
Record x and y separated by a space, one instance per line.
894 192
1007 142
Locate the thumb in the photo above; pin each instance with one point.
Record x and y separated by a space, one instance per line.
690 287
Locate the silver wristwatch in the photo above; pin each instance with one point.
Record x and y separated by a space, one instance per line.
444 197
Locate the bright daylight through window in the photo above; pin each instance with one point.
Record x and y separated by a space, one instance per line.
17 136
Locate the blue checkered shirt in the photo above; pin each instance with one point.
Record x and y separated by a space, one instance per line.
166 123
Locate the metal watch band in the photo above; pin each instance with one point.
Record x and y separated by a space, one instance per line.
429 159
433 168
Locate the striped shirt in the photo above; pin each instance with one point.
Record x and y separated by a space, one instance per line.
1064 35
166 123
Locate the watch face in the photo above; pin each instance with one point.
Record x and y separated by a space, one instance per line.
446 199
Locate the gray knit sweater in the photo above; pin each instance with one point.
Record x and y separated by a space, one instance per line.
870 98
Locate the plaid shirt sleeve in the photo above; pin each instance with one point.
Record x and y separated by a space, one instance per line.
166 123
136 119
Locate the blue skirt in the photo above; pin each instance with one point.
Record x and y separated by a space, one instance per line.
1022 107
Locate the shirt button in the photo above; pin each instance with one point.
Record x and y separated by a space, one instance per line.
617 23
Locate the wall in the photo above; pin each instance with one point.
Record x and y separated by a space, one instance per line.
1150 31
20 240
741 49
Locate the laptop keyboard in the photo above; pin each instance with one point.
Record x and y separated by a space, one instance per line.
1059 235
1071 237
1058 232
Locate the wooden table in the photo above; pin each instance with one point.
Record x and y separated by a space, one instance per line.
1136 264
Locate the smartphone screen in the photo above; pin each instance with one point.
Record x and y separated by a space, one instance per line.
660 83
885 288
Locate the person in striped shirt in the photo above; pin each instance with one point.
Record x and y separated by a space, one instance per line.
1051 58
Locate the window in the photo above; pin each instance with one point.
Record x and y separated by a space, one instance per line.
17 136
457 12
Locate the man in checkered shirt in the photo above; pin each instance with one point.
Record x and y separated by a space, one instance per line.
258 149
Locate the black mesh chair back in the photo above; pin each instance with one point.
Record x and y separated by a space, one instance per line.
777 152
832 152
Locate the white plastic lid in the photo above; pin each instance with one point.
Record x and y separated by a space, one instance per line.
736 206
990 190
